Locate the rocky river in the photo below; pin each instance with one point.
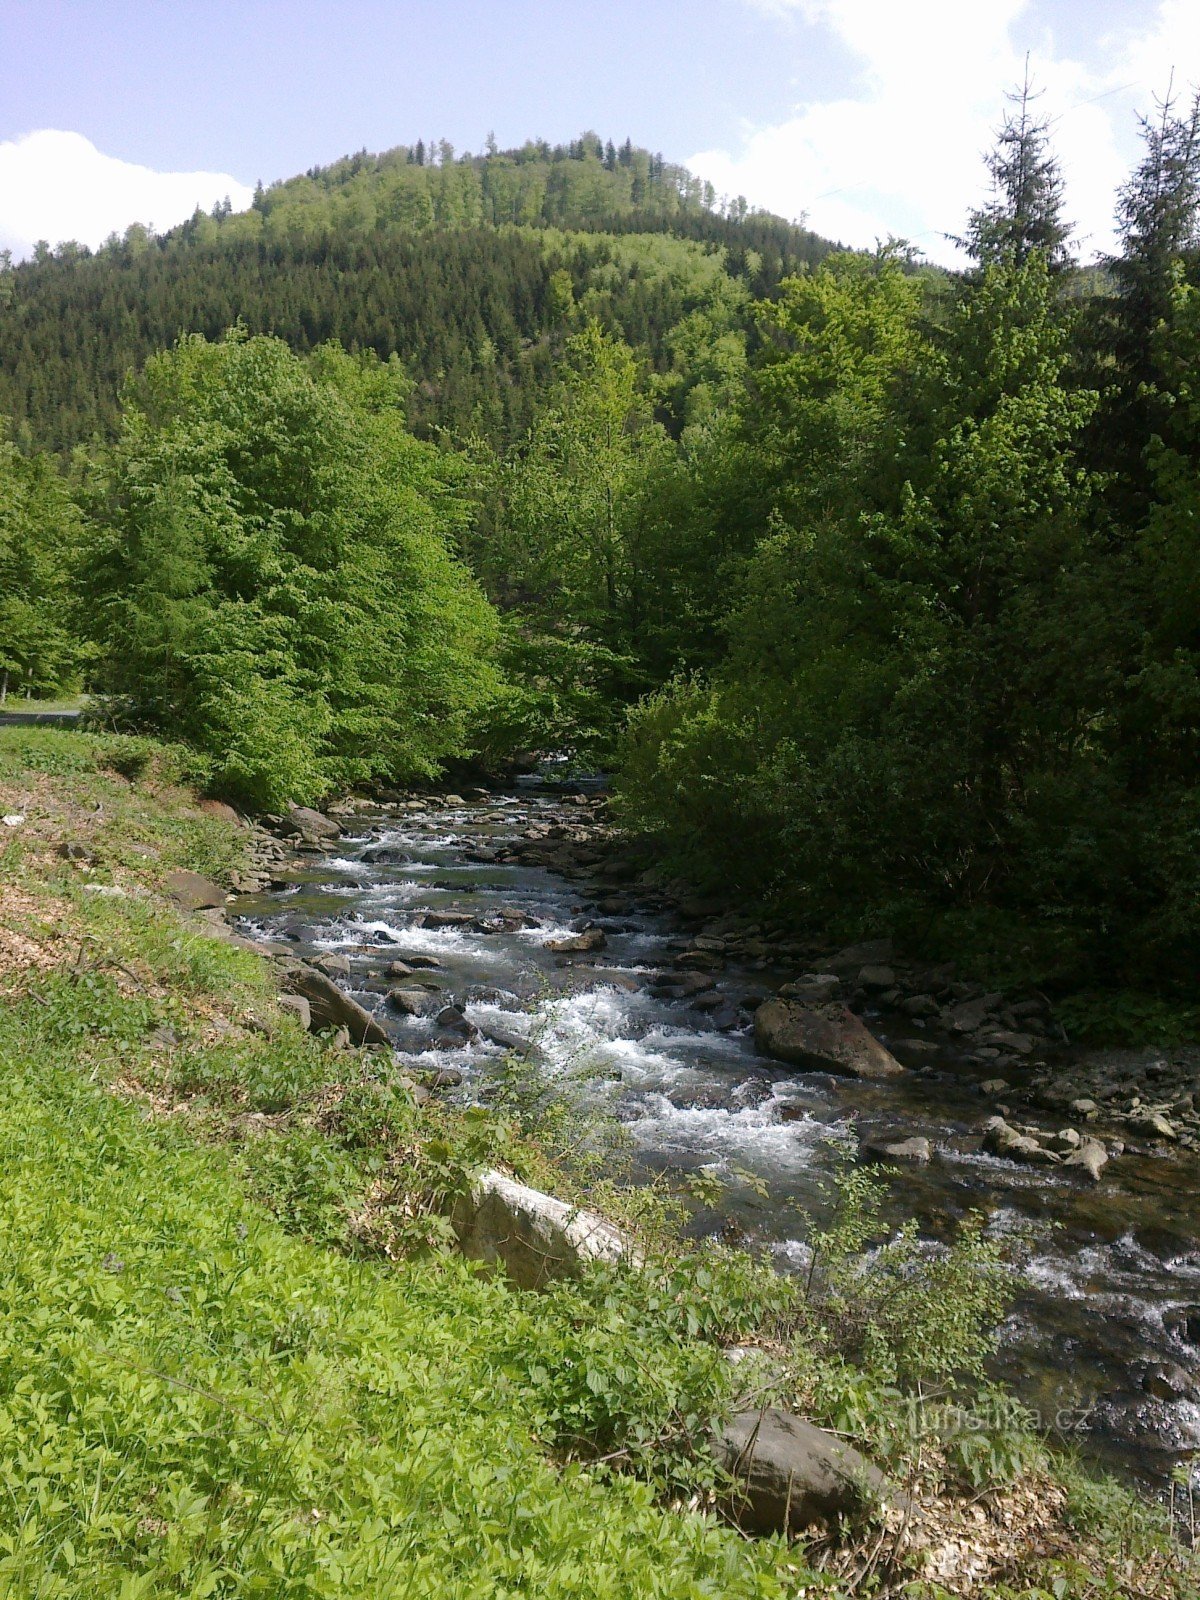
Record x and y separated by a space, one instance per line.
507 921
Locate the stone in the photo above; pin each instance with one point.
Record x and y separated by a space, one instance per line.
920 1005
305 820
1084 1108
827 1038
222 812
579 943
1090 1157
970 1015
534 1237
1170 1382
875 952
408 1002
106 891
813 988
453 1020
443 919
1001 1139
916 1150
1154 1122
193 892
298 1005
333 964
332 1007
790 1475
1022 1043
877 977
993 1086
73 850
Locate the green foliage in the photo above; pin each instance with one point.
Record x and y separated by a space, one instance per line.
271 578
466 268
39 539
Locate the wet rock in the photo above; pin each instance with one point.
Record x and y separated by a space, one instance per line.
1012 1144
398 969
829 1038
385 855
1084 1108
332 1007
534 1237
916 1151
813 988
1184 1323
423 963
578 943
453 1022
333 965
193 892
679 985
313 823
1171 1382
993 1086
968 1016
408 1002
1091 1157
443 919
790 1475
298 1005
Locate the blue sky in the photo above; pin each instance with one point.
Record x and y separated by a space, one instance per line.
868 116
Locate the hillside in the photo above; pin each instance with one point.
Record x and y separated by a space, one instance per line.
456 266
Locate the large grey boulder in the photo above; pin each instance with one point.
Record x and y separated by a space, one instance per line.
790 1475
534 1237
193 892
827 1038
331 1007
305 820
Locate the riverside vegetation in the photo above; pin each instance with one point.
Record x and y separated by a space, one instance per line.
241 1356
877 587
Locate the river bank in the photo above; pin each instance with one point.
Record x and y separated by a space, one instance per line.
527 913
154 1083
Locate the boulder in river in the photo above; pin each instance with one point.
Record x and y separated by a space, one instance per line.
578 943
880 1147
790 1475
827 1038
1090 1157
332 1007
307 821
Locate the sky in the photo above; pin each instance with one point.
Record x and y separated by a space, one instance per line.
866 118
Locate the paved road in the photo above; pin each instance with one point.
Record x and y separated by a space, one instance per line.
38 719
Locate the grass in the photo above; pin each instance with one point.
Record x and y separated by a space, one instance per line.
236 1358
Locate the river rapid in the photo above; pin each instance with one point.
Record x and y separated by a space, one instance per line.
1105 1331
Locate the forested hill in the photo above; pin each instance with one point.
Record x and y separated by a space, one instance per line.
465 267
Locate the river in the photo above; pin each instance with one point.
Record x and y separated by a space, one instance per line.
1109 1289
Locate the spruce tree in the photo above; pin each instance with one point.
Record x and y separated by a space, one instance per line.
1025 212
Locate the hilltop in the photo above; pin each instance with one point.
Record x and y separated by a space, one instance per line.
464 267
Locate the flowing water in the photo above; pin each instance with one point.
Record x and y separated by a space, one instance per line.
1110 1293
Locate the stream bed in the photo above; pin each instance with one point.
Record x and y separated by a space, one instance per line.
1103 1341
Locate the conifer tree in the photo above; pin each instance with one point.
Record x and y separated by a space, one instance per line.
1025 212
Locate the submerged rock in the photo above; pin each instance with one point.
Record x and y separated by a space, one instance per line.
827 1038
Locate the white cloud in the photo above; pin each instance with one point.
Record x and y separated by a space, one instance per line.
902 153
58 186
